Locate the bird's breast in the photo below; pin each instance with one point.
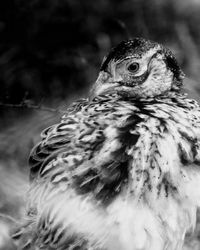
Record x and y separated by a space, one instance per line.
120 179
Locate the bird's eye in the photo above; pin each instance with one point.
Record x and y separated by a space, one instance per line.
133 67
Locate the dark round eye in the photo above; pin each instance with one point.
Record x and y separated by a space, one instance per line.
133 67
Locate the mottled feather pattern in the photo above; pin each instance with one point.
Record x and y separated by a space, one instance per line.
121 169
103 153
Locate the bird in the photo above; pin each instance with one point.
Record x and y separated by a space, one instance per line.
121 170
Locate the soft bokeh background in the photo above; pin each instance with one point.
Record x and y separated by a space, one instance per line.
50 53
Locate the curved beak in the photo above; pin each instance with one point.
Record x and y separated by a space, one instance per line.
103 84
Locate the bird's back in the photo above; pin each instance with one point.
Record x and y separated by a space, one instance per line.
116 173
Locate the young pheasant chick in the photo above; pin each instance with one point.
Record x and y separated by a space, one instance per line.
121 170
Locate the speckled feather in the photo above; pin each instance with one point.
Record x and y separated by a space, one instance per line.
111 151
117 172
138 47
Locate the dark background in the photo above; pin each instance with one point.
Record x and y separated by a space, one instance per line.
50 54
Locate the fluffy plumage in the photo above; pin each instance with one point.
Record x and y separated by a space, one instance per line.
121 169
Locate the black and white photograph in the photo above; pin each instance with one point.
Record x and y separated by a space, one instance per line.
100 125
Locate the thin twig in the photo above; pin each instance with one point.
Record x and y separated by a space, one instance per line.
31 106
8 217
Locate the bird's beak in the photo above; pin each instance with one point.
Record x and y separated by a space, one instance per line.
103 84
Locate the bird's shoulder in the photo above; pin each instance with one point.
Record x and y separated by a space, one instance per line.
82 125
88 125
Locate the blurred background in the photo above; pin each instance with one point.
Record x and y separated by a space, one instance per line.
50 54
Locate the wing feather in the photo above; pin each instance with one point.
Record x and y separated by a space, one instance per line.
103 147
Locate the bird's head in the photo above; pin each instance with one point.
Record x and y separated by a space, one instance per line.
138 68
